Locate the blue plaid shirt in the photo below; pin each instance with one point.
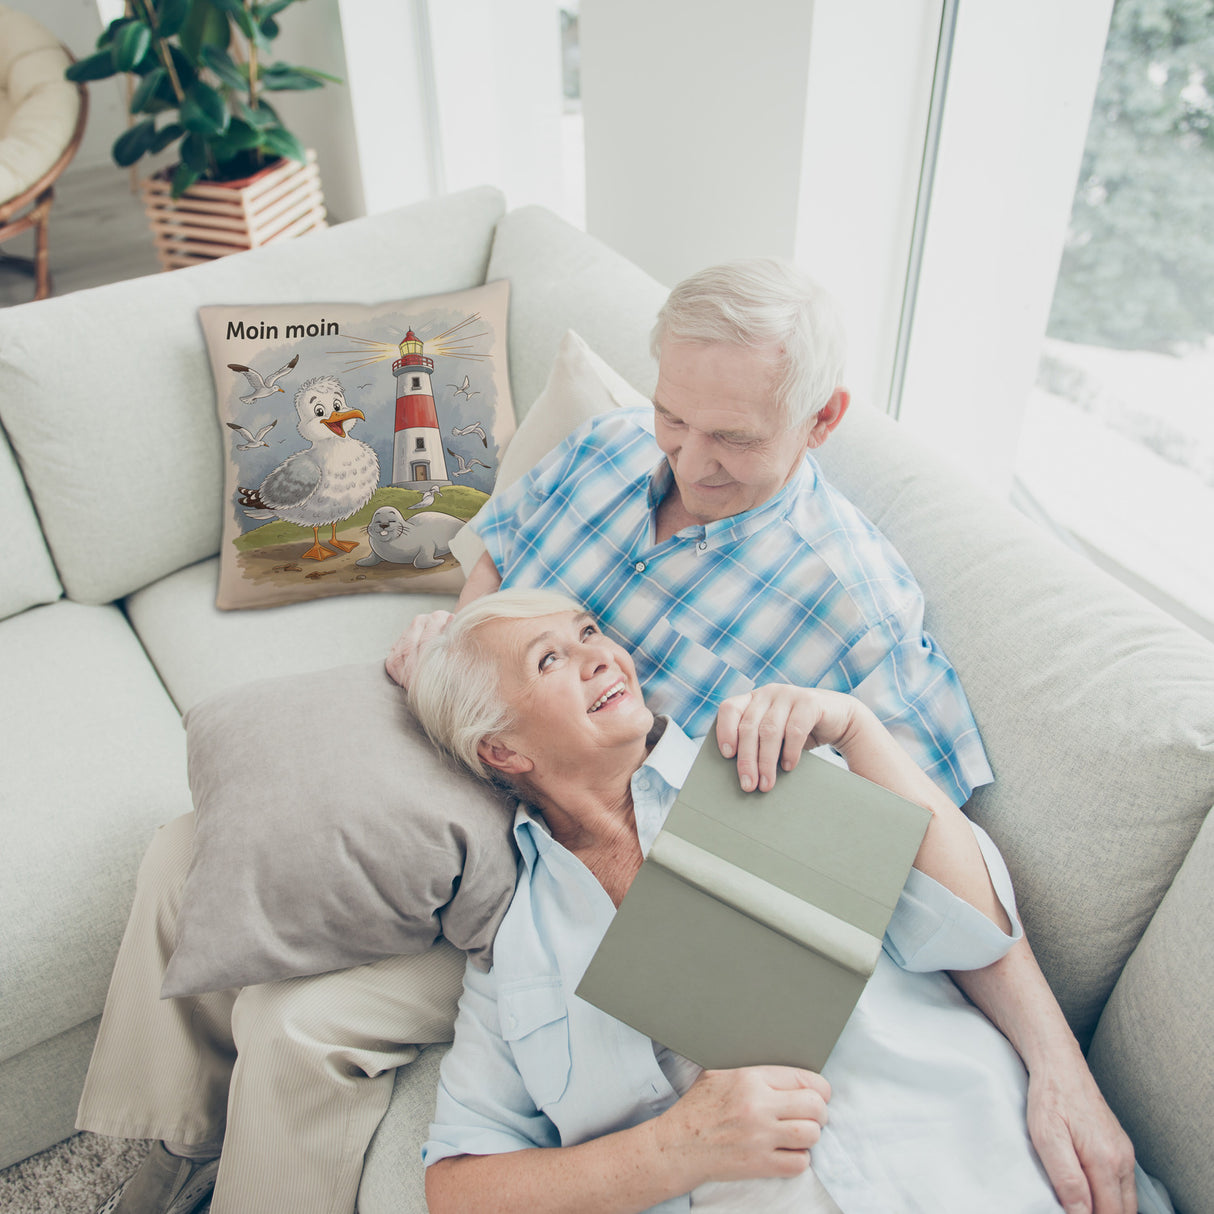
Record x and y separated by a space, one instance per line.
802 589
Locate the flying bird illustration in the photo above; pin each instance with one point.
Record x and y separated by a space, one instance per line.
330 479
262 387
475 428
465 466
463 389
252 440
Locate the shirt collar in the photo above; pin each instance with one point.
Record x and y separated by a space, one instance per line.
655 785
737 526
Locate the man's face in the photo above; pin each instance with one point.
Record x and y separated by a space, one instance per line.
716 419
573 691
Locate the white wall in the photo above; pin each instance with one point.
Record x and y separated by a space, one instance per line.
694 126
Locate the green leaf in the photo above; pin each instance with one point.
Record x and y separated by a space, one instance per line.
279 77
183 178
95 67
195 154
203 111
225 67
268 28
144 97
131 44
166 135
281 142
270 9
261 118
205 26
107 36
241 137
132 144
187 73
171 16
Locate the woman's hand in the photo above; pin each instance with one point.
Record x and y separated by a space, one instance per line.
755 1121
770 727
403 655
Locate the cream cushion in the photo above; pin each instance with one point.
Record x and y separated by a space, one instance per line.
38 106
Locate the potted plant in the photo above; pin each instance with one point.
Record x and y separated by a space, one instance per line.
201 71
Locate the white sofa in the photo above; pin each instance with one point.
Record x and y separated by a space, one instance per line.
1097 711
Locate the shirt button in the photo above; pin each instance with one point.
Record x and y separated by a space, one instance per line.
702 545
639 566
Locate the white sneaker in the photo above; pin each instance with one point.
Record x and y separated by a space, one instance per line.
164 1184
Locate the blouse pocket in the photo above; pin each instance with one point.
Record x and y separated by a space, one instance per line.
535 1023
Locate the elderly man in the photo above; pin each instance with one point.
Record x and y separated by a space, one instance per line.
704 538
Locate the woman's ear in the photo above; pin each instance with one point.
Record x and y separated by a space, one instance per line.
495 753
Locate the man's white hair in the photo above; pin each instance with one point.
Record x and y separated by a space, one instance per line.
763 303
455 692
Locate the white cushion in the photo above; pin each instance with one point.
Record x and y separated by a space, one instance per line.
1096 709
29 574
199 650
108 400
94 760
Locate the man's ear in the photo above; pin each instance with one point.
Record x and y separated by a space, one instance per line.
496 754
829 416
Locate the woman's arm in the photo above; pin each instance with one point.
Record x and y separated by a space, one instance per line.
730 1125
769 728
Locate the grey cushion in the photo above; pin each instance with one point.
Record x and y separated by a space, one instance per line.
1153 1052
330 833
29 574
94 761
1095 708
562 279
108 400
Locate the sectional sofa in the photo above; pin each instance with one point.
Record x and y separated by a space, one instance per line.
1097 711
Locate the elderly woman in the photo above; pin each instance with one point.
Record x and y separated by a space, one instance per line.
547 1103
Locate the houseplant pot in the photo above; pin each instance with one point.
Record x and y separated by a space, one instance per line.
212 219
201 70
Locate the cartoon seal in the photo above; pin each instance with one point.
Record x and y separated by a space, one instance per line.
421 541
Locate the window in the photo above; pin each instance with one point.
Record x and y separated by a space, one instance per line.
1117 442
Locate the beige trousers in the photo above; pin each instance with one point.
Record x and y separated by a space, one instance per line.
293 1076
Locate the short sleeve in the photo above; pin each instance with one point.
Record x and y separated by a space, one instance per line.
483 1107
933 929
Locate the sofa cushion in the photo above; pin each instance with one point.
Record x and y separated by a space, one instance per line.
109 404
1153 1054
421 396
329 832
29 573
94 761
1097 711
199 650
561 279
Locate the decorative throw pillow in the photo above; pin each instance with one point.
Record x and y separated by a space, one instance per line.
359 440
580 386
329 832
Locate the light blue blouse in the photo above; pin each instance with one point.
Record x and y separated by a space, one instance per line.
928 1104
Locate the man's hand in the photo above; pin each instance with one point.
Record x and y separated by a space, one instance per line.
400 660
1087 1155
750 1122
769 728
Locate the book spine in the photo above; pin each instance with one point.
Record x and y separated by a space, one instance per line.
802 922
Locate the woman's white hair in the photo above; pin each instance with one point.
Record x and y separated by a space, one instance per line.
454 691
763 303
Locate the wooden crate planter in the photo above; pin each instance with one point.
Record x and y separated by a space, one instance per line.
215 218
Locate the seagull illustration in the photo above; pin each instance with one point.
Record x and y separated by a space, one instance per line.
252 440
427 498
465 466
262 387
462 389
475 428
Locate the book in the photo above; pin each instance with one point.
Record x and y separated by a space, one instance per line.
756 920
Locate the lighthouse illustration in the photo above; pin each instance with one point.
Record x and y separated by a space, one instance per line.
417 452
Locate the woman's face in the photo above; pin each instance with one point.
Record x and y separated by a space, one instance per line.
574 693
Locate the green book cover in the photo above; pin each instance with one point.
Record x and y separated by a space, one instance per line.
755 921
